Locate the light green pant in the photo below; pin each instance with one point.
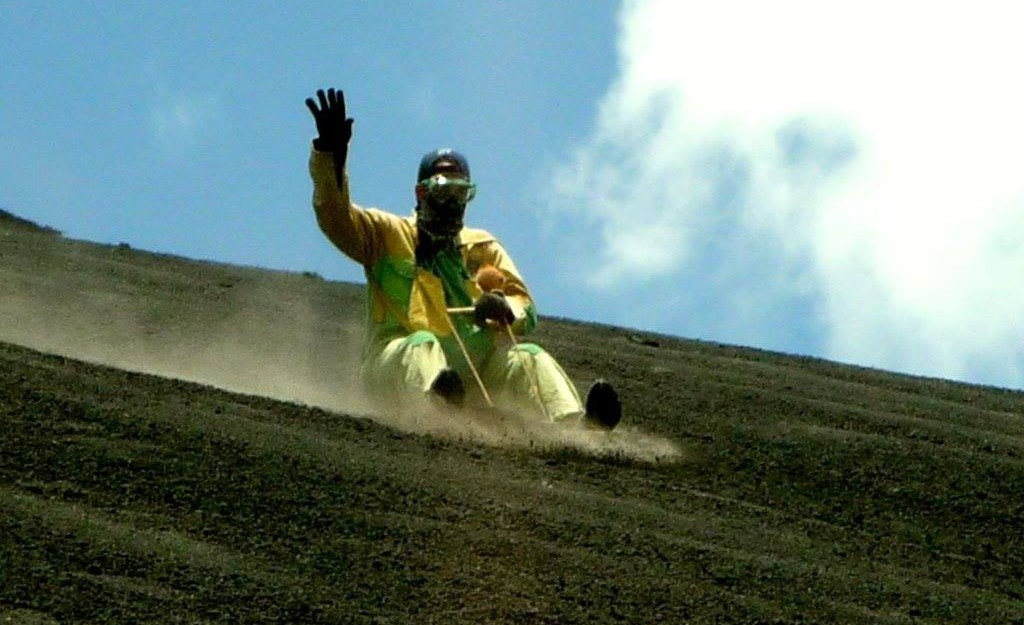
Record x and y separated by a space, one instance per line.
523 379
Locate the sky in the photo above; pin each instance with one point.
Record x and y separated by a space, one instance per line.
832 179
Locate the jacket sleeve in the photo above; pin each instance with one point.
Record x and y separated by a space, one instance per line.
349 227
516 292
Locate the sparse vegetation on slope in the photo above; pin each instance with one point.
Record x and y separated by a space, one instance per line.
10 220
803 491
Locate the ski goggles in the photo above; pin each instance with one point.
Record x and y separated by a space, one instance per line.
445 189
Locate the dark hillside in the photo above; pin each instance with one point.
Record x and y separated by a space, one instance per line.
746 487
11 221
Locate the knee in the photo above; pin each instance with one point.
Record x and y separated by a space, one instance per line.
420 337
530 349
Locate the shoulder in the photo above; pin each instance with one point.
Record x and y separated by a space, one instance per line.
476 236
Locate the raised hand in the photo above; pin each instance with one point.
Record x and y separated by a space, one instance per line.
332 125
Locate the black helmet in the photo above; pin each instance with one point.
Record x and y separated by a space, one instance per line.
430 159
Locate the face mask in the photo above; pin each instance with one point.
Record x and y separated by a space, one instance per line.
441 219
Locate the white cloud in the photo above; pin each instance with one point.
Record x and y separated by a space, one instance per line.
874 146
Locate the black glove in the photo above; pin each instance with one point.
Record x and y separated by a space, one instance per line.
334 128
493 307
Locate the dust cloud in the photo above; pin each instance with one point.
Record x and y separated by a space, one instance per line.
254 350
530 431
294 351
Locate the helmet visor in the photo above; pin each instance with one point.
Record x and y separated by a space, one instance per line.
444 189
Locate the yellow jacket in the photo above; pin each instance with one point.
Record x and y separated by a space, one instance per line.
405 298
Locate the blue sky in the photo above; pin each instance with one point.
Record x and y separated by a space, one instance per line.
818 178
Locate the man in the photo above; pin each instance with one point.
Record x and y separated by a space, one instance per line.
418 269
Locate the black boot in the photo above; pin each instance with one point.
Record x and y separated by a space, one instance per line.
449 387
604 410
